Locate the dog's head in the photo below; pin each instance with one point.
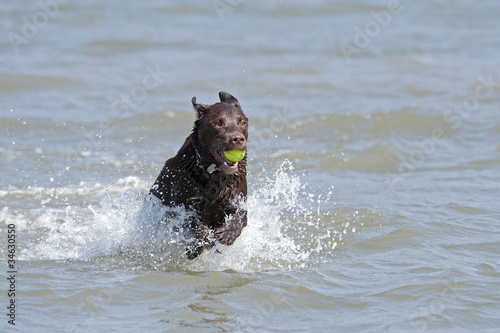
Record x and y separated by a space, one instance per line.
221 127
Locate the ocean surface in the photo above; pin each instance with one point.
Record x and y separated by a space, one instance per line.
374 165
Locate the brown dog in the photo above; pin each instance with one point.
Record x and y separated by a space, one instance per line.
201 179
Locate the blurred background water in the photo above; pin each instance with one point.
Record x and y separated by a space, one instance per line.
374 164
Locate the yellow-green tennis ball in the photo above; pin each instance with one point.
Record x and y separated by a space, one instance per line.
234 155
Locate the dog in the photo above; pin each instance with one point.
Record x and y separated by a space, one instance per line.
201 179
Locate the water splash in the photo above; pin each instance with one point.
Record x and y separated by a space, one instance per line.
287 229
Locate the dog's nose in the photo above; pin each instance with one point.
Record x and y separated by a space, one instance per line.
238 139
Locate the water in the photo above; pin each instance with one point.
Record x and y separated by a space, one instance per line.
374 165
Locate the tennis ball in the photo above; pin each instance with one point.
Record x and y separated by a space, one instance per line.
234 155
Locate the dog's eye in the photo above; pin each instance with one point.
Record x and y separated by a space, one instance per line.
219 123
243 123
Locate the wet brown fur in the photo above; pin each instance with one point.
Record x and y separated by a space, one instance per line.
186 180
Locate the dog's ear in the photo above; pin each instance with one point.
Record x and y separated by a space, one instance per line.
229 99
200 108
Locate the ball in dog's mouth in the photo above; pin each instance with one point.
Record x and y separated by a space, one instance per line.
234 155
229 162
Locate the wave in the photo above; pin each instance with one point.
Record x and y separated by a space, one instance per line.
289 227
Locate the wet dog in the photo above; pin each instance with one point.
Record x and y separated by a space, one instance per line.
203 180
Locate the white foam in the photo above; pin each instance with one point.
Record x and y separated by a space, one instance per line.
19 220
126 230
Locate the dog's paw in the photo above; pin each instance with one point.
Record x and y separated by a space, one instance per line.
203 232
204 240
228 233
193 251
195 248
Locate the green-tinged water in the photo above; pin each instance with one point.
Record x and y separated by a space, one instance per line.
374 165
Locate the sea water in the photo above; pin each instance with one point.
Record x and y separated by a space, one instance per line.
373 165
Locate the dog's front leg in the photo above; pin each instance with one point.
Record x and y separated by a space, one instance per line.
204 240
231 230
